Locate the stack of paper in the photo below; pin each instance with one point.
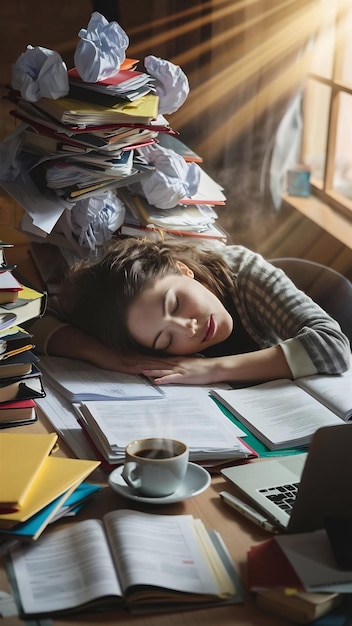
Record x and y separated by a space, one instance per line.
33 479
210 436
102 400
74 148
85 143
127 84
81 113
191 220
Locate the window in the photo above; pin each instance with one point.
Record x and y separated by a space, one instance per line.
327 108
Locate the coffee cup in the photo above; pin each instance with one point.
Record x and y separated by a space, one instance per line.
155 466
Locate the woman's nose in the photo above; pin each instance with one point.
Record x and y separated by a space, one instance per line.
192 326
189 326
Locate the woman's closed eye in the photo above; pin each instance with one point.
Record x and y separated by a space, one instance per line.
164 343
169 344
175 305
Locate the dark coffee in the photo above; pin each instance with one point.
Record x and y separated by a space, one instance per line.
155 453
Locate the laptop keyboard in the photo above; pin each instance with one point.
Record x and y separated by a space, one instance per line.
284 496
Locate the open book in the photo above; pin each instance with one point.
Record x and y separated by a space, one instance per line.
135 560
285 413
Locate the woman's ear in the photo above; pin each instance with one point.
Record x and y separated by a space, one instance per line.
184 269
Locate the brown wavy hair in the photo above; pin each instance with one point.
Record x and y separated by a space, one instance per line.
96 294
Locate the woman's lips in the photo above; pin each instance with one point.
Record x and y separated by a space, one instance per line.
210 330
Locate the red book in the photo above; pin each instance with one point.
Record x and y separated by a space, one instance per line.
121 77
268 567
16 413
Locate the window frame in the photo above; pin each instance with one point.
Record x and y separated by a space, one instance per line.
323 189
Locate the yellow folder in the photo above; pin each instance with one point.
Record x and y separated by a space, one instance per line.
21 457
56 476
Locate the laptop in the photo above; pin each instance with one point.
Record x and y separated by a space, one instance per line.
306 491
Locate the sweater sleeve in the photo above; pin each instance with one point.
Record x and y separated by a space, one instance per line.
275 312
43 328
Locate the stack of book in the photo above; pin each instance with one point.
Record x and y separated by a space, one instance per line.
86 143
35 484
20 378
193 217
90 145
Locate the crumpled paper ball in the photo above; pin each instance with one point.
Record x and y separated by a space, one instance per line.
40 73
101 50
171 83
94 220
172 180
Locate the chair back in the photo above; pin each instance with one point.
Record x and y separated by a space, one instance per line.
328 288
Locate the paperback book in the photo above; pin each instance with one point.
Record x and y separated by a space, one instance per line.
285 413
129 566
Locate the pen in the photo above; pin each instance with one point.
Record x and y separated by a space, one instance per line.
248 512
7 268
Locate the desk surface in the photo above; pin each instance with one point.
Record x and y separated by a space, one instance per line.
237 532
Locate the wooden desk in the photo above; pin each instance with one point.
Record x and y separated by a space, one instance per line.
237 532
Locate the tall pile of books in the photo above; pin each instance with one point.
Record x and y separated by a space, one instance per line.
94 144
88 142
20 377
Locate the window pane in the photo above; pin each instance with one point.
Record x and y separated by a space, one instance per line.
343 155
316 115
346 69
323 49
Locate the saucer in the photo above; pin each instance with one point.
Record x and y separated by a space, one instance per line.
196 481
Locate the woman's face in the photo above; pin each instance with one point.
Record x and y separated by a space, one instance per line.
178 315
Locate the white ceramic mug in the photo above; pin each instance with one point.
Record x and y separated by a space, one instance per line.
155 466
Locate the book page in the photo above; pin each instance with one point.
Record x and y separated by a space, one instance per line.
195 420
335 392
60 413
79 380
278 412
159 550
65 569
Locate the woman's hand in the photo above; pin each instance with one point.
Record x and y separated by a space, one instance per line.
186 370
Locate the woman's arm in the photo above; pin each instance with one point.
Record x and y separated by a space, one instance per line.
258 366
57 338
275 312
71 342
